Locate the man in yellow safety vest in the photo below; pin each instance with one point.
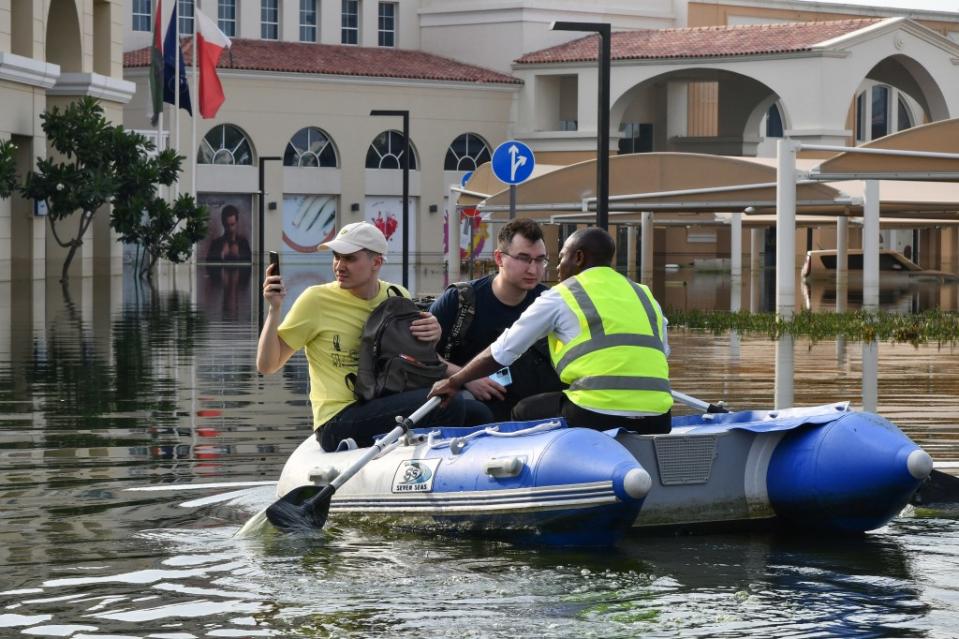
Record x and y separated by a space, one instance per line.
607 340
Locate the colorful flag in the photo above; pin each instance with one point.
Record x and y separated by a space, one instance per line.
173 54
209 46
156 64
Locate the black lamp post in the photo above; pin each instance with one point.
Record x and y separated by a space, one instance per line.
602 123
406 186
261 250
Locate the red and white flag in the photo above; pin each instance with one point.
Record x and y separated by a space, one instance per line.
210 42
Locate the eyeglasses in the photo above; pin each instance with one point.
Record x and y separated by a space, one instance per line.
541 262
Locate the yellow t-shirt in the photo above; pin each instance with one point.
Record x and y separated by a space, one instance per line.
327 322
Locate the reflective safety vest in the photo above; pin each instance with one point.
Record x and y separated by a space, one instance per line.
617 362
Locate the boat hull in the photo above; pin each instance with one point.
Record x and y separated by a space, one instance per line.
822 467
544 484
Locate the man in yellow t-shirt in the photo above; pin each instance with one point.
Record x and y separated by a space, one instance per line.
327 321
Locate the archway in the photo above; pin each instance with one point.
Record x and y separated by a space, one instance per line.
63 39
694 110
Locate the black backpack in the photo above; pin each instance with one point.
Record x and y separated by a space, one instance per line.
391 359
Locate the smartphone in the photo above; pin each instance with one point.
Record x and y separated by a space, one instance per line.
275 262
502 377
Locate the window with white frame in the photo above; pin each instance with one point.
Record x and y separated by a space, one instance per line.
184 12
227 145
386 22
882 109
386 152
141 15
350 22
310 147
270 19
226 17
307 20
466 153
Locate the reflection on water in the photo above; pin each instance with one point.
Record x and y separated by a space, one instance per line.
119 387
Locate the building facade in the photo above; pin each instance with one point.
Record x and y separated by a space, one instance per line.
303 76
51 52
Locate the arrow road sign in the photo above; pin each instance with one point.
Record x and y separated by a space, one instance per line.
513 162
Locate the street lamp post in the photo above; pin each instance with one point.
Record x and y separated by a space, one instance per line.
405 114
602 124
262 232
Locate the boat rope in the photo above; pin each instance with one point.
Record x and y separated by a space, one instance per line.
492 431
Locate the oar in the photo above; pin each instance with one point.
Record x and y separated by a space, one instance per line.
706 407
939 488
294 512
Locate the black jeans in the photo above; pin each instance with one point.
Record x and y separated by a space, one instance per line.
363 421
556 404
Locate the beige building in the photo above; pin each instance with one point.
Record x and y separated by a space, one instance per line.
303 76
51 52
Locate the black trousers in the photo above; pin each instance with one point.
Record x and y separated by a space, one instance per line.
546 405
364 421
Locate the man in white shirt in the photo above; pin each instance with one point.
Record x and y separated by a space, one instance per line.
607 339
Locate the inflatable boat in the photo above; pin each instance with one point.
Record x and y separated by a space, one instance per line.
823 467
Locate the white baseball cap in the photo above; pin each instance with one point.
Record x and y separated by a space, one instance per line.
356 237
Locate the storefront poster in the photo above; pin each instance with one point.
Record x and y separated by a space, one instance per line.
229 234
308 221
387 214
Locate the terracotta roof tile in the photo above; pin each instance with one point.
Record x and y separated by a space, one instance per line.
325 59
702 42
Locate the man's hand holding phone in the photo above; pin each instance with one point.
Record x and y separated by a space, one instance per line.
273 289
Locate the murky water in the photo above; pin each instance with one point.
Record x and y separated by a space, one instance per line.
116 403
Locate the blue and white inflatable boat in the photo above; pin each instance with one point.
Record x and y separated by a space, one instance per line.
824 467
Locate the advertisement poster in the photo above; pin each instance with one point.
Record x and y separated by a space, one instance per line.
386 212
308 221
230 233
226 255
475 240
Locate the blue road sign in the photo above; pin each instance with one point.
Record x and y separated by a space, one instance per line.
466 178
513 162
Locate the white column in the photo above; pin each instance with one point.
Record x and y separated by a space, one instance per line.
755 248
785 370
870 376
736 245
786 227
631 246
842 262
453 237
870 246
646 274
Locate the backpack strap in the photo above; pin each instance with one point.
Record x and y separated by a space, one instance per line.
394 291
465 312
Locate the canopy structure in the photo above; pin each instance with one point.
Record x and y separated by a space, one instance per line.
908 179
688 182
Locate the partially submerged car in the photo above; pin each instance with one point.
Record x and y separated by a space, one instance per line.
821 264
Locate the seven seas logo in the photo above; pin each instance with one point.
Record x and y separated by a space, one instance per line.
415 475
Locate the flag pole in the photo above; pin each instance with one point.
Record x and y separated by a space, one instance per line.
194 100
176 96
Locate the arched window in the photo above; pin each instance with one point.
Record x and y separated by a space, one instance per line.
466 153
880 111
386 152
905 115
310 147
774 122
225 144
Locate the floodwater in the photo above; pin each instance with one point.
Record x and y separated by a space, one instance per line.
117 404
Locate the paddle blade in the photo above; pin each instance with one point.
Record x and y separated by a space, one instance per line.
302 509
939 488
